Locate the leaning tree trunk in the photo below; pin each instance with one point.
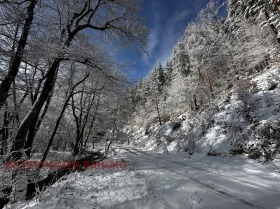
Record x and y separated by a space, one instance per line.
16 60
20 181
5 133
34 127
34 113
89 132
272 27
58 120
54 132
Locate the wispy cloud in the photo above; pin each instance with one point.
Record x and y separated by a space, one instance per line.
153 39
167 21
172 36
163 38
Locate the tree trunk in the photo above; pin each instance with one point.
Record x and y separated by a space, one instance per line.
77 121
81 121
105 148
89 132
20 182
30 137
196 107
272 27
108 147
16 60
210 83
111 140
34 127
54 132
33 114
58 121
16 105
76 146
5 133
158 113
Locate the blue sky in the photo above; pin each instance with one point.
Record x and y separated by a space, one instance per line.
167 21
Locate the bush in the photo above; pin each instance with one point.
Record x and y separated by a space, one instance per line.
214 153
176 125
236 149
254 153
190 146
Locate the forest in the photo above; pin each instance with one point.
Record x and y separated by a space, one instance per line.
64 93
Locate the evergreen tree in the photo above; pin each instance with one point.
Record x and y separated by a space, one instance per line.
168 71
157 79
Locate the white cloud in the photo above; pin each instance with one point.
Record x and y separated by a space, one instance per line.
164 38
153 39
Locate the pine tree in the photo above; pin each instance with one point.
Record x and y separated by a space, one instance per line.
168 71
183 62
157 79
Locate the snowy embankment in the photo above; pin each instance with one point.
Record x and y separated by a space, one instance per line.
242 120
166 181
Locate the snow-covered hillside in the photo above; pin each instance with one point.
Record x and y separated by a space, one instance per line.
242 120
219 92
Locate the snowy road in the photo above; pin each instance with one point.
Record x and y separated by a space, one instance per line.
177 185
168 181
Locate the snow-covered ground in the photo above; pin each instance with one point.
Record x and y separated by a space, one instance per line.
159 180
168 166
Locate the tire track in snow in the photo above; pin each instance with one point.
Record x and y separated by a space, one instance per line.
228 177
217 191
218 174
213 188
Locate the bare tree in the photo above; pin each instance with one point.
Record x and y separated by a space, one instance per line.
16 58
79 31
79 16
86 100
69 94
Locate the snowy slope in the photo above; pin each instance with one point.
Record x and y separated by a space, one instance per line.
241 120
